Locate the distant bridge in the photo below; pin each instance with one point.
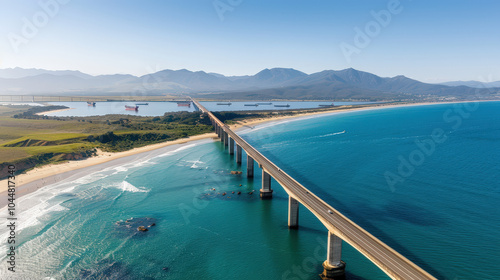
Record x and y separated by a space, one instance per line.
339 227
56 98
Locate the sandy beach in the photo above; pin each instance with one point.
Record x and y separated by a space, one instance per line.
53 111
103 157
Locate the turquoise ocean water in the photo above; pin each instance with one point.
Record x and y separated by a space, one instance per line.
440 209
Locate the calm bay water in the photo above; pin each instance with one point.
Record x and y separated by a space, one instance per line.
81 109
443 215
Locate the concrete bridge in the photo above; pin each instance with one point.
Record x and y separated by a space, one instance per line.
340 228
57 98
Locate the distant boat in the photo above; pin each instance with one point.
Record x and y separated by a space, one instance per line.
90 103
184 104
326 105
269 103
224 103
287 105
252 105
141 103
135 108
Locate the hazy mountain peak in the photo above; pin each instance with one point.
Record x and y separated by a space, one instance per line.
279 74
17 72
268 83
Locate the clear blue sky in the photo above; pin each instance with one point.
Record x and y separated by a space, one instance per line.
432 41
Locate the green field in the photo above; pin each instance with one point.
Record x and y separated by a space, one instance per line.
29 140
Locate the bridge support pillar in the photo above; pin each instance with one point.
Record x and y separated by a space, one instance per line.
249 166
221 134
226 139
293 213
238 154
334 267
266 192
231 146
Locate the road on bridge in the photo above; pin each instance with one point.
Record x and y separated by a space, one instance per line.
391 262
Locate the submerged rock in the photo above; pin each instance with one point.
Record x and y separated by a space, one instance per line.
142 228
134 226
236 172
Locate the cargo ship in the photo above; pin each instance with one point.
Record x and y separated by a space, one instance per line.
326 105
184 104
263 103
252 105
224 103
287 105
141 103
131 108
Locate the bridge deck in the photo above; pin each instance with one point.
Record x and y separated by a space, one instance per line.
391 262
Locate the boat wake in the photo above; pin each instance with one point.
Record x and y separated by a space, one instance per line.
332 134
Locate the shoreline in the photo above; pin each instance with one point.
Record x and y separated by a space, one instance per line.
43 172
250 122
52 170
53 111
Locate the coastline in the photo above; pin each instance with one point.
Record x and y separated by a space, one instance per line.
254 122
53 170
53 111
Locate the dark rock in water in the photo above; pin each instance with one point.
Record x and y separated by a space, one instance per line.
224 194
239 193
134 227
152 225
236 172
232 192
165 268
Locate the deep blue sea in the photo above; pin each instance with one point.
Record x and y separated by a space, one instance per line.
423 179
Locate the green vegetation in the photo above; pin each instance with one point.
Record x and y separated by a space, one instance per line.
28 140
31 113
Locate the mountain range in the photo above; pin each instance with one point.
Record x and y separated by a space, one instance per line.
474 84
276 83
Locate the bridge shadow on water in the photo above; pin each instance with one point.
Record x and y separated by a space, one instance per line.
294 244
396 210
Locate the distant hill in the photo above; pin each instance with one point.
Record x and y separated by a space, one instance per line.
474 84
15 73
354 84
275 83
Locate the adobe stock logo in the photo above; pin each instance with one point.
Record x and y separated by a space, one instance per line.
426 147
363 37
31 26
223 6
